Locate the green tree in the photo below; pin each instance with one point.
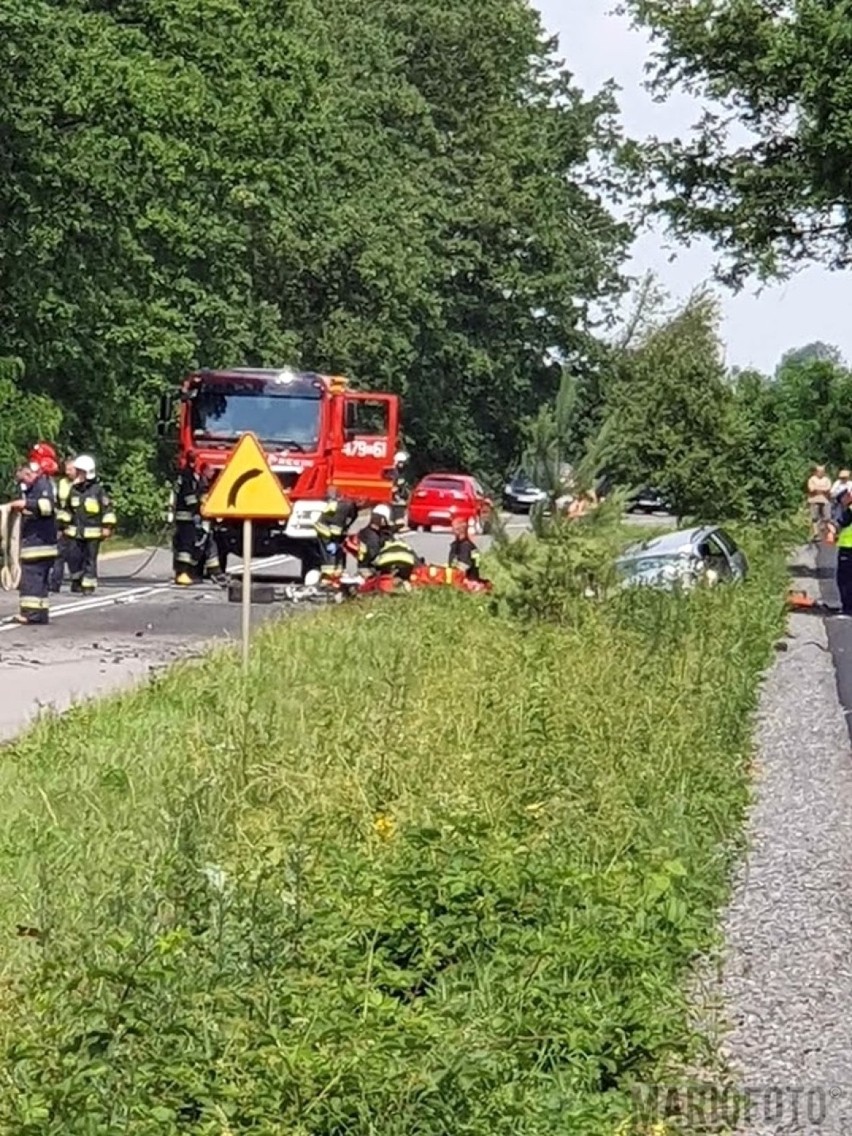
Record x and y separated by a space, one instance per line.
814 398
396 192
671 416
784 71
768 453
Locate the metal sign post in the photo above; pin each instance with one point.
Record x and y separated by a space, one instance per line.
247 490
247 543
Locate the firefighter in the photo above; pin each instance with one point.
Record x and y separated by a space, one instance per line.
37 506
63 520
92 520
332 525
464 555
380 552
209 561
195 553
399 491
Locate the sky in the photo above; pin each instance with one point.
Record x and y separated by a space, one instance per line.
813 305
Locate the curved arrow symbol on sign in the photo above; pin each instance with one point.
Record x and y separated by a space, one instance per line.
249 475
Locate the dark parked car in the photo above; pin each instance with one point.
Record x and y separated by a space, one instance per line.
520 494
648 500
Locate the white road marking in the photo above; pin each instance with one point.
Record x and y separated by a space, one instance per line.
95 603
258 566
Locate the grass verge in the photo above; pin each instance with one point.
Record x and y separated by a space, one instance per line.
430 870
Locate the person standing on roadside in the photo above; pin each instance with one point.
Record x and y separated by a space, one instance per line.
63 520
844 553
37 506
819 489
92 521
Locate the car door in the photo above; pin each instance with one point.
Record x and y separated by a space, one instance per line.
739 564
715 557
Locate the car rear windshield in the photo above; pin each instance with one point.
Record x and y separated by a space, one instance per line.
455 483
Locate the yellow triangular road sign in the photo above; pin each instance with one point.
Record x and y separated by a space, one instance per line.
247 489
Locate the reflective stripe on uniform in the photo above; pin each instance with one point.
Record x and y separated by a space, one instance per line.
45 507
92 533
108 519
185 517
33 603
40 552
395 554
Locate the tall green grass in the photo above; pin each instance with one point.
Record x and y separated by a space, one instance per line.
430 871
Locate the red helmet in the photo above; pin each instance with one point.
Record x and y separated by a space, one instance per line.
44 456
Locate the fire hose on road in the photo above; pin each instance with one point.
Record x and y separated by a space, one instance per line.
10 548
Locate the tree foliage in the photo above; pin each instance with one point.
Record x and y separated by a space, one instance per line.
783 71
396 192
672 413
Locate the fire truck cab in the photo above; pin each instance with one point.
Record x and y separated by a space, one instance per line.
317 433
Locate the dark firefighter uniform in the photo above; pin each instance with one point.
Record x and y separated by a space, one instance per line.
465 556
38 549
63 521
399 498
380 552
194 550
331 527
91 513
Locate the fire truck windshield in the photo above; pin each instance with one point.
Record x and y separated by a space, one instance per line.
276 419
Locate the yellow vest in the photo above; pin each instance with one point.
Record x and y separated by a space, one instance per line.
844 537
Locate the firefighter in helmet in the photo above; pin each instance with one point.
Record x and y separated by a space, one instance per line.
37 506
332 525
92 521
380 552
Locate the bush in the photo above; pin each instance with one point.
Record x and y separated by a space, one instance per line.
425 873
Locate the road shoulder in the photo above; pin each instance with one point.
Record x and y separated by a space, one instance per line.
787 971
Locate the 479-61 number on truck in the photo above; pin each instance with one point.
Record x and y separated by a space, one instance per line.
360 448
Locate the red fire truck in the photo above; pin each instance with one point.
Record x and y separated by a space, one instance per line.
317 434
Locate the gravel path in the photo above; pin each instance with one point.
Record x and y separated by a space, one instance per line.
787 972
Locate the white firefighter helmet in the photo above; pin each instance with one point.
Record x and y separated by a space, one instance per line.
85 464
400 457
382 512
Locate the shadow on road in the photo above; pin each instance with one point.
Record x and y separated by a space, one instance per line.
820 571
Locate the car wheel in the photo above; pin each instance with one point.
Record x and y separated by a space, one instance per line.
427 528
413 528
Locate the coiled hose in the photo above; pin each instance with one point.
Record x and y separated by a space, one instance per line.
10 548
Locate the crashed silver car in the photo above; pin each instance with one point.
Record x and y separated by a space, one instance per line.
682 559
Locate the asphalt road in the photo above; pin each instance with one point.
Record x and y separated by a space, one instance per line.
138 622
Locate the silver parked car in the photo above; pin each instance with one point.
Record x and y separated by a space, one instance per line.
685 558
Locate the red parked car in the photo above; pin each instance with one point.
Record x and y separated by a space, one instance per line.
442 498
